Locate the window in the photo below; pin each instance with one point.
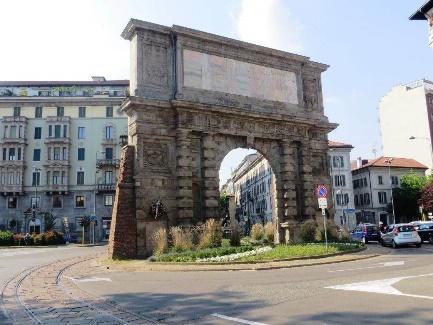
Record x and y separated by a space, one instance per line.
12 154
48 178
79 201
56 177
367 198
12 202
17 111
394 180
108 200
81 153
108 153
36 154
4 153
36 179
81 111
338 161
50 131
57 201
13 132
108 177
356 200
64 153
19 154
340 180
38 112
38 132
380 180
56 153
80 178
361 199
365 182
65 131
81 132
57 131
109 111
60 111
109 132
35 201
382 197
342 199
20 132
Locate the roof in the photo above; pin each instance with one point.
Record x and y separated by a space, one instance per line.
65 83
334 144
420 13
396 162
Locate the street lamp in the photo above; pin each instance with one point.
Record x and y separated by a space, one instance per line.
389 162
429 145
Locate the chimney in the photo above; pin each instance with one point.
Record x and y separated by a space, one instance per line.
359 162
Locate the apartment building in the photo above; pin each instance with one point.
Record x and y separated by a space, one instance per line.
425 12
373 181
59 152
406 122
341 180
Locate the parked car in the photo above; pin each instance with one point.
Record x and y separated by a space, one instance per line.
365 232
425 230
401 234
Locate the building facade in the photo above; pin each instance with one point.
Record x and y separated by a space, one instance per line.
341 180
406 122
253 183
373 182
59 150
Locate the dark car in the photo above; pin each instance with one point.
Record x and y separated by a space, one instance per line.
366 232
425 230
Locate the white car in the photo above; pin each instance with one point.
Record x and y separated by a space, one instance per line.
401 234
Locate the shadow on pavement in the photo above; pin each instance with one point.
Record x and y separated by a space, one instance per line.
186 308
412 316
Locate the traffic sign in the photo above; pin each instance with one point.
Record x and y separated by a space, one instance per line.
321 191
323 202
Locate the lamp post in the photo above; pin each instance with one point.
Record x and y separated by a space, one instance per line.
97 168
389 162
429 146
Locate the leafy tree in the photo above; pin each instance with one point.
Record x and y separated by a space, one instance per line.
12 224
223 205
85 222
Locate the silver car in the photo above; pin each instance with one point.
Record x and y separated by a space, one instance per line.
401 234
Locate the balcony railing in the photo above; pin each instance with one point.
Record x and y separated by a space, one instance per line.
107 162
106 187
55 188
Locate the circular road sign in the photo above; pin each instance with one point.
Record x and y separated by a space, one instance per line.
321 191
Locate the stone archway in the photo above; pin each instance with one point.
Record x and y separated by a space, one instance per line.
193 98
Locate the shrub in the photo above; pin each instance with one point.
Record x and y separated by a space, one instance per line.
257 231
211 235
160 241
235 235
181 239
308 231
6 238
269 232
18 239
53 237
39 239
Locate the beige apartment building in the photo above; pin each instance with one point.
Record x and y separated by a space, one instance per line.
406 122
59 152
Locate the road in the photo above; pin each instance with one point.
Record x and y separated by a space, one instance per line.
394 288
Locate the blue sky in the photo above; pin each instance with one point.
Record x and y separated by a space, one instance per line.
370 46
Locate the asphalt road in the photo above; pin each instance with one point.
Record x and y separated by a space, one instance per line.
395 288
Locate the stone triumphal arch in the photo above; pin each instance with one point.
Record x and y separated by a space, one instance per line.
194 97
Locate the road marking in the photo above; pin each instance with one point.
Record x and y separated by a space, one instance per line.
383 286
238 320
385 264
93 279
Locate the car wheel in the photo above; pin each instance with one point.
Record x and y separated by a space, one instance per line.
430 240
382 243
394 245
418 245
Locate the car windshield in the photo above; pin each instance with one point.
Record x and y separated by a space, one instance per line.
372 228
406 228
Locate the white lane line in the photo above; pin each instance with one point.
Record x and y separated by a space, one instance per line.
92 279
383 286
238 320
385 264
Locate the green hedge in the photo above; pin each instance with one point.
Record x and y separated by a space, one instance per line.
6 238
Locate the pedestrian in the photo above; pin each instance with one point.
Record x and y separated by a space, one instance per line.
27 239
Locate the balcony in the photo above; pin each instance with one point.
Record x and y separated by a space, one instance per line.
15 140
106 187
53 140
57 163
56 188
56 119
107 162
12 188
12 163
14 119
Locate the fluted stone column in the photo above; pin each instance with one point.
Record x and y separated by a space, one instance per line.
210 177
308 182
184 175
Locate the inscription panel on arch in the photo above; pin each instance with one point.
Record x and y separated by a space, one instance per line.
217 73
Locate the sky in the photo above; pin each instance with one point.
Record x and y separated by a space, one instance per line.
370 46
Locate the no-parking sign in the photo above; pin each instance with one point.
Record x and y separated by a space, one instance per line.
321 191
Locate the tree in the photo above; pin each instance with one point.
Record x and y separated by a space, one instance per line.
406 198
49 221
427 198
12 224
223 205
